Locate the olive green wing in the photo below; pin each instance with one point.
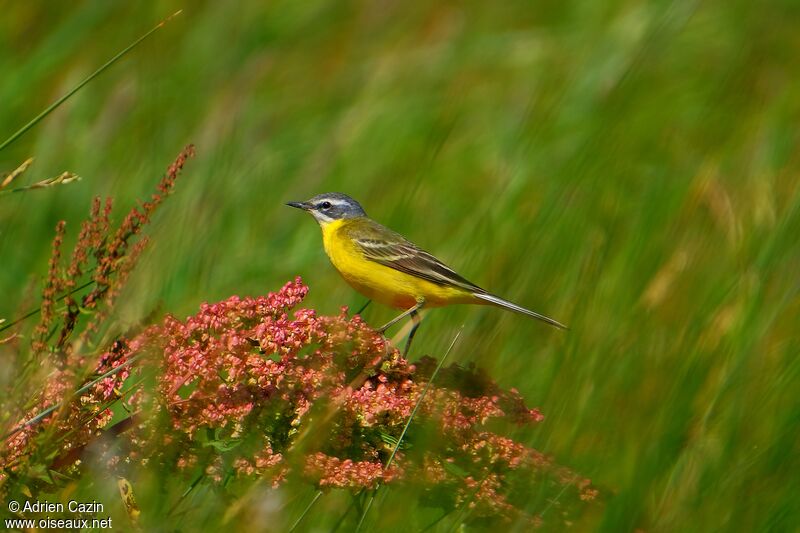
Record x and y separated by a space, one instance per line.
388 248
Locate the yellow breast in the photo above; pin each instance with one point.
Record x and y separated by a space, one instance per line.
378 282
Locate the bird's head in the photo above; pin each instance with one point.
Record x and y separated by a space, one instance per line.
330 206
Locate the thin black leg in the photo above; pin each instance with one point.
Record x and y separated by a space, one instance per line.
366 304
417 321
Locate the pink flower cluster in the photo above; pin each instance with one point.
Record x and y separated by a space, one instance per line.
327 398
334 472
245 389
78 420
237 358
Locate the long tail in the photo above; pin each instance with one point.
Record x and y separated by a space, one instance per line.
496 300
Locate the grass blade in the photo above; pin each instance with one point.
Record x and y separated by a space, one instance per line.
408 423
305 511
34 311
86 80
55 406
61 179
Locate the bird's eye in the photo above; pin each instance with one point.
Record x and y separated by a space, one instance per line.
325 205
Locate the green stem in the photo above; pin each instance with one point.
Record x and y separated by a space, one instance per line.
33 312
53 407
305 512
405 428
78 87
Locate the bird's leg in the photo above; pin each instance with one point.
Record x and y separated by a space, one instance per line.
401 316
417 321
366 304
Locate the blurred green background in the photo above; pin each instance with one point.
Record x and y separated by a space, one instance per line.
627 167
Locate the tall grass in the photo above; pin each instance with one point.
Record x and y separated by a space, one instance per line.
629 168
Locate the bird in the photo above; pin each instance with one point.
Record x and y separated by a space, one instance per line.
386 267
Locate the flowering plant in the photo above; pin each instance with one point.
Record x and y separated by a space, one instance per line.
255 389
245 390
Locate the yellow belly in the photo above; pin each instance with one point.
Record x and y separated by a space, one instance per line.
381 283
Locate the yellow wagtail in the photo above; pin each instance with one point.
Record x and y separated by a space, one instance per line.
384 266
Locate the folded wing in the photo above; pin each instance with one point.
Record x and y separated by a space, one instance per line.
384 246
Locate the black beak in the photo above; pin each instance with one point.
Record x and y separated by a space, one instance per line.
299 205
